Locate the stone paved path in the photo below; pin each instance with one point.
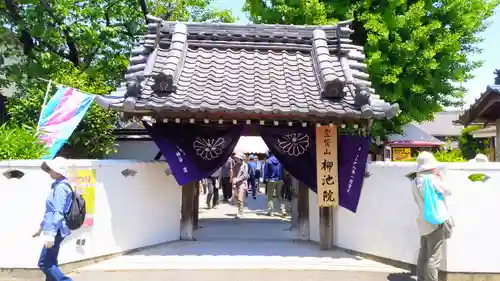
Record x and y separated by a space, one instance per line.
239 275
256 247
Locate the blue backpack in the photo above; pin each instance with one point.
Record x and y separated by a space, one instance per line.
435 210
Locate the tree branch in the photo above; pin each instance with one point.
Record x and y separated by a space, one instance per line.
50 48
94 51
24 37
73 55
106 17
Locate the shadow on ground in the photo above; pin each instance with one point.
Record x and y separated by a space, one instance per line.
235 275
255 247
405 276
243 248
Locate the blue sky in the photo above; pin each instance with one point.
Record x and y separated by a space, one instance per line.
483 75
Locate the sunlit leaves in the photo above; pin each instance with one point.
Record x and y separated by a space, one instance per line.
417 51
82 44
20 142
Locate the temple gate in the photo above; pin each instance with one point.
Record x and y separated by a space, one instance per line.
200 86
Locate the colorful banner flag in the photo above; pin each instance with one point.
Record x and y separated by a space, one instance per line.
61 116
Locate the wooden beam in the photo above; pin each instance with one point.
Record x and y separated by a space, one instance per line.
303 212
196 206
325 228
497 141
294 191
327 181
187 208
158 155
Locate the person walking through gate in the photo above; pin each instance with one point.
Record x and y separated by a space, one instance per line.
213 183
286 191
273 175
432 236
258 172
53 228
253 179
240 181
226 179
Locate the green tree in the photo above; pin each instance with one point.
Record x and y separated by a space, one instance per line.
497 77
82 44
20 142
416 50
470 146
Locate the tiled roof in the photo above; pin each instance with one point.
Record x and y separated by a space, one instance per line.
481 105
412 132
443 124
248 70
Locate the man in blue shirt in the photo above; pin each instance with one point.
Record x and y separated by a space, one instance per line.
53 228
273 175
253 180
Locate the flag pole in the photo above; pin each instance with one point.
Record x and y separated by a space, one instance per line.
45 98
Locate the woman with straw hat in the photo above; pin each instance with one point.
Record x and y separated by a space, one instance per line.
240 181
432 236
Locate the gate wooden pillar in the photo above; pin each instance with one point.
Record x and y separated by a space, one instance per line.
325 228
303 212
196 205
187 210
327 181
295 190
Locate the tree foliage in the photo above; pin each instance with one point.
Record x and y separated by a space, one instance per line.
416 50
449 155
93 36
471 146
20 142
497 77
82 44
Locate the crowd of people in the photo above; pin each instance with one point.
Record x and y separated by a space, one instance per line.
242 175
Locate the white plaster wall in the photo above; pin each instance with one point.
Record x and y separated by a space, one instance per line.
313 216
130 212
385 223
145 150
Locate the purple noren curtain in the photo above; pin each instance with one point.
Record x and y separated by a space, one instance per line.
353 154
295 148
194 151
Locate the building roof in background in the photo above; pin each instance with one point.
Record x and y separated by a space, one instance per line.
485 109
487 132
413 133
443 124
251 71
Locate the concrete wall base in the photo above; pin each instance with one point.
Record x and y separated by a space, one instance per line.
460 276
443 276
26 274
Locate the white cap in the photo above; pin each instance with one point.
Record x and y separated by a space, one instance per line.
240 155
480 158
58 165
426 161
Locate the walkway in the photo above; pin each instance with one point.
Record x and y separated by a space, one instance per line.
256 247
